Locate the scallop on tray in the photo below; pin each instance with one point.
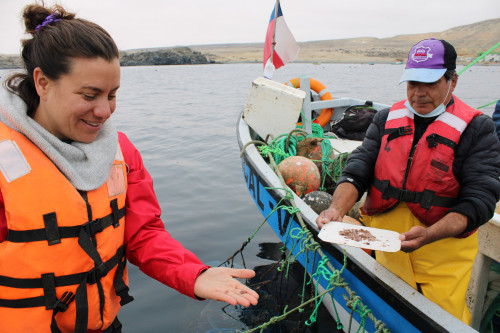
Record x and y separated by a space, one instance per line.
360 236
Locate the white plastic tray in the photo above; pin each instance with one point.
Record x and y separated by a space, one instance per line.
360 236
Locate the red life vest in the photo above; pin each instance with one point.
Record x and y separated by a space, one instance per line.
62 265
425 181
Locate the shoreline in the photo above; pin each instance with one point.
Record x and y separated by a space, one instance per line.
296 62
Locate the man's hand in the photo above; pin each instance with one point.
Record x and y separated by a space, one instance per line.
330 214
413 239
451 225
343 199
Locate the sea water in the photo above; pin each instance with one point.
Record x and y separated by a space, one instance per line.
183 121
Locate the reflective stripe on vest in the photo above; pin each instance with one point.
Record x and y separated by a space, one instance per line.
63 257
425 181
399 114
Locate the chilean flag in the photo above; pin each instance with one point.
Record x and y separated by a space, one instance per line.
285 46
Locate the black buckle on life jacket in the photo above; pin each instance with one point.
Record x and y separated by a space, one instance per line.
93 227
431 139
60 306
62 303
396 133
405 130
427 199
389 192
434 138
407 196
96 273
382 186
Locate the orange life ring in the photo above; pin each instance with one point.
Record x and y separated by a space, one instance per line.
320 89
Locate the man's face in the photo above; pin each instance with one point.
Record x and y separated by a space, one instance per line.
425 97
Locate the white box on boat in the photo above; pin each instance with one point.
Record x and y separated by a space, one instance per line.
272 108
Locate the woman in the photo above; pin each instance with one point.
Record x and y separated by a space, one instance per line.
75 198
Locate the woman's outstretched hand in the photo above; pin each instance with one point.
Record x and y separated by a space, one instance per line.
220 284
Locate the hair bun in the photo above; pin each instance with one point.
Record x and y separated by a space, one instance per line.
35 15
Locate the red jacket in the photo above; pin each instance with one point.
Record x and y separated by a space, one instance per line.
148 245
420 174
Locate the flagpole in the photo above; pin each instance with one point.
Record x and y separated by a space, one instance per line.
274 29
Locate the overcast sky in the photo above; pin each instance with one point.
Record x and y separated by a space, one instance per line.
156 23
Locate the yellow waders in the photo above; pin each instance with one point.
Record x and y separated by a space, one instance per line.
441 269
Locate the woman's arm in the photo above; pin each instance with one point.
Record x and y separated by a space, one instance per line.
150 247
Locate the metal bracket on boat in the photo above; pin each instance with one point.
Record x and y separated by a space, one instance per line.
307 106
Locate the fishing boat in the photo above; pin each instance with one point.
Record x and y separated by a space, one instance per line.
360 294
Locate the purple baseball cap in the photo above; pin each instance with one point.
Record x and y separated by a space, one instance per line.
428 60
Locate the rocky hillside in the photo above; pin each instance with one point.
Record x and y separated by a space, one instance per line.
149 57
10 61
173 56
469 41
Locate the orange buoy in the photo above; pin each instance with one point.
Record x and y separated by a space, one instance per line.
300 174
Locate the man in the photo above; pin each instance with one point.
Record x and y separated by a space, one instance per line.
431 165
496 117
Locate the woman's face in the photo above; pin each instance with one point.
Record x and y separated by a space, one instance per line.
75 106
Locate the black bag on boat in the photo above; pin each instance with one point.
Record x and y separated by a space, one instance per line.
355 122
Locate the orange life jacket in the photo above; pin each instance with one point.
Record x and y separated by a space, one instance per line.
62 265
424 181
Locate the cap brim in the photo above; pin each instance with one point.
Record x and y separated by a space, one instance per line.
422 74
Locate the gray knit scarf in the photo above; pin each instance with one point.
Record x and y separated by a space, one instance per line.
86 165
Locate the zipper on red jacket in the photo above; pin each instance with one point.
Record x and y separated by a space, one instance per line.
408 165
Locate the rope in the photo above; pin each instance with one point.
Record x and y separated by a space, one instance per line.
326 161
317 131
479 58
282 147
248 144
276 319
475 61
245 243
326 263
338 165
483 106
